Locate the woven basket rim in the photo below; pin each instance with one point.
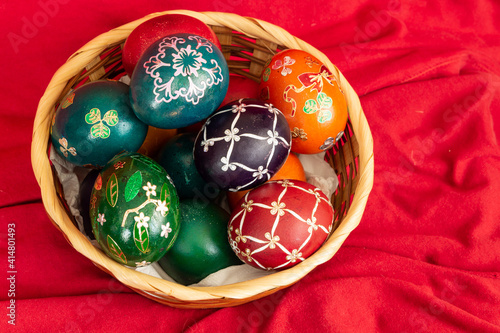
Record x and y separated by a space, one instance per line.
251 27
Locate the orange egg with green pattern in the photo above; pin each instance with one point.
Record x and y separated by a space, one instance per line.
309 96
134 210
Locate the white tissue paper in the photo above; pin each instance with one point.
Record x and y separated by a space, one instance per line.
319 173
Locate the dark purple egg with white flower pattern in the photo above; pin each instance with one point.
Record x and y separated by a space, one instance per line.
242 145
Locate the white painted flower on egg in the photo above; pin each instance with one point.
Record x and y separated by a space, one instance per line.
179 80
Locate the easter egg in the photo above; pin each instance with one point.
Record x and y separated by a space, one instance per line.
95 122
309 96
155 140
291 169
176 156
155 28
242 145
179 80
239 87
84 192
134 210
201 247
280 224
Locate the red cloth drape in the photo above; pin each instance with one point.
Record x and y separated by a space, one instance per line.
426 255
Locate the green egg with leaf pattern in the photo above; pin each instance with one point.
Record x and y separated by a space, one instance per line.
134 210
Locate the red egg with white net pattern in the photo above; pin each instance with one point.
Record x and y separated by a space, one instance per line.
280 224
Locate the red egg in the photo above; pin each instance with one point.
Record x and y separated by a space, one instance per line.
153 29
240 87
309 96
280 224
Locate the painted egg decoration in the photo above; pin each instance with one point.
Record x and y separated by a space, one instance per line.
280 224
134 210
291 169
308 94
239 87
179 80
95 122
201 247
155 28
155 139
176 157
242 145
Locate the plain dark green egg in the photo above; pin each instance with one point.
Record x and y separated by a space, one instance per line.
177 159
202 246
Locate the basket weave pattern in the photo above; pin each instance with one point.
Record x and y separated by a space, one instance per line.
247 45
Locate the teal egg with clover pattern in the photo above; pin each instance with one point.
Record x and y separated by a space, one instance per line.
179 80
94 122
134 210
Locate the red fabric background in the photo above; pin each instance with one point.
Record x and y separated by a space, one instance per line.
426 255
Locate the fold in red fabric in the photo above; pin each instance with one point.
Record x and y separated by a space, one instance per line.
426 255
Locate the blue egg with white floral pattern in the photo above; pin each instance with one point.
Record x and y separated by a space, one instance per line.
242 145
94 122
179 80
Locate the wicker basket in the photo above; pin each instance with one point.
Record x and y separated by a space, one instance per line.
247 44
